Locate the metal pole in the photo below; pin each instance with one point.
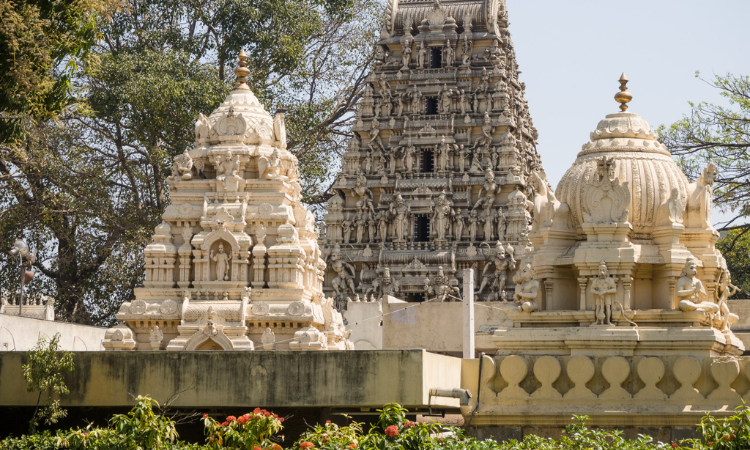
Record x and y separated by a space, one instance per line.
20 284
468 344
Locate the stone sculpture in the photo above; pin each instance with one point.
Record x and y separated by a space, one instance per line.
603 287
240 225
439 141
527 288
691 292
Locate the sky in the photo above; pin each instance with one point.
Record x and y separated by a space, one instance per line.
571 54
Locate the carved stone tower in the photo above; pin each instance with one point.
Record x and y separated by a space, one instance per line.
235 263
436 174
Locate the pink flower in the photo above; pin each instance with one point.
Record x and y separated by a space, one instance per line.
391 431
306 445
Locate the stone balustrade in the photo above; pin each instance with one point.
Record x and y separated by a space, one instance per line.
613 391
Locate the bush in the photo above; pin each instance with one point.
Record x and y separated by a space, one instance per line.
142 429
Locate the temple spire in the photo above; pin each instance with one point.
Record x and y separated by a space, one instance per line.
242 72
623 97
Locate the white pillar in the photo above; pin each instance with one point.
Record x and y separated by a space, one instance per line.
468 314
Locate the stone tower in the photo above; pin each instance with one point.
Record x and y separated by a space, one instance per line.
435 179
235 263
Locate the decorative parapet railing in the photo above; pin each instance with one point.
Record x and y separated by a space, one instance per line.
612 391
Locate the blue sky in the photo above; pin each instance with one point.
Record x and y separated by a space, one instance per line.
572 53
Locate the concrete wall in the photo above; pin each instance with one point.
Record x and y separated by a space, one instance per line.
437 327
742 328
351 379
364 319
22 333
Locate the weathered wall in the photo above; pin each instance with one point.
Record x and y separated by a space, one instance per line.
22 334
741 329
232 379
437 327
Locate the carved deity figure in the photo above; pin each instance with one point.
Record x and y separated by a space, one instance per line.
422 56
604 288
488 189
382 218
444 155
691 292
605 200
346 228
202 128
387 286
410 153
462 101
527 288
226 171
724 290
472 221
372 226
185 165
417 106
156 335
222 263
545 202
503 261
450 54
375 135
463 153
458 224
440 213
271 168
700 199
361 222
344 280
446 99
487 220
399 210
399 105
466 46
501 221
439 289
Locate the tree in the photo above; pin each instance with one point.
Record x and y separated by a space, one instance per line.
719 135
43 373
40 42
87 190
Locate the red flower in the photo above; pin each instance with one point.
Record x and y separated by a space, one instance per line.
731 436
243 419
256 411
409 424
266 413
205 416
674 444
391 431
223 424
306 445
726 438
710 443
276 447
281 419
352 445
255 447
327 422
275 416
231 419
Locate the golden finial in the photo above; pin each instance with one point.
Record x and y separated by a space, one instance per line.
623 97
241 71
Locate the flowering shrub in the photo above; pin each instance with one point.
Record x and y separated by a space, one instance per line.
250 431
143 429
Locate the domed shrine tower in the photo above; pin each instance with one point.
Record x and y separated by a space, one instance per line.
435 179
624 258
235 263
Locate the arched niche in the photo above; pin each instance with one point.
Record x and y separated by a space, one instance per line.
203 341
222 256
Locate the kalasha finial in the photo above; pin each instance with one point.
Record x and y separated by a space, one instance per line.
242 71
623 97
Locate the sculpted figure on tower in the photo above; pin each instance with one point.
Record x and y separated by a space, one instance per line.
438 172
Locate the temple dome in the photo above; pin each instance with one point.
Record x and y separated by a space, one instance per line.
641 161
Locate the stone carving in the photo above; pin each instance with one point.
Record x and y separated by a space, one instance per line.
344 281
691 292
700 201
527 288
155 337
412 169
724 290
215 260
268 339
604 288
502 260
439 289
675 207
606 200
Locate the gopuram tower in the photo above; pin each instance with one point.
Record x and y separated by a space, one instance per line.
435 179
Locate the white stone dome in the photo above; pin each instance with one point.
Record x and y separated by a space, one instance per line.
644 163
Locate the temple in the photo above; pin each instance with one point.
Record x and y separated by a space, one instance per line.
235 263
437 176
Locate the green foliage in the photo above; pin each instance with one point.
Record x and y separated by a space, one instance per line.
40 40
736 249
44 373
247 432
139 429
719 135
86 189
143 429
